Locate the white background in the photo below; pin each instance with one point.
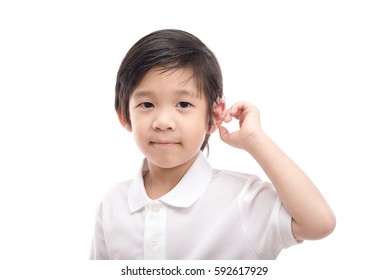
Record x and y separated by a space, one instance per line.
317 70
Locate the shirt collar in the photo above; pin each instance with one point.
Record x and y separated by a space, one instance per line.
188 190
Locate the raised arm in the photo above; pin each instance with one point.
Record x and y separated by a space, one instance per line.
312 216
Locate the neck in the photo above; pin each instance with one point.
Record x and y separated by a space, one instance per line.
159 181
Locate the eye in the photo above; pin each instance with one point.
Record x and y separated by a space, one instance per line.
183 104
146 105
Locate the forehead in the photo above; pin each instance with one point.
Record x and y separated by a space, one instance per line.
164 79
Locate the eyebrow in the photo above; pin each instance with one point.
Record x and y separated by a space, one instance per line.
194 94
142 93
146 93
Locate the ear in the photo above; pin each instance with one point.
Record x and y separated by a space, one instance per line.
123 121
218 113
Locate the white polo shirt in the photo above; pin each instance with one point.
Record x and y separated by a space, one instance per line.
210 214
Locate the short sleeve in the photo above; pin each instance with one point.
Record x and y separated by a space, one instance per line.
98 248
264 219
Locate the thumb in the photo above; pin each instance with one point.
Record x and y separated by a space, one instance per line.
224 134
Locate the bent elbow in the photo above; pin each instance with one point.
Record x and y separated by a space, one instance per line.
318 228
324 227
327 226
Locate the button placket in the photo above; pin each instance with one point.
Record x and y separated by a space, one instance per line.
155 231
155 208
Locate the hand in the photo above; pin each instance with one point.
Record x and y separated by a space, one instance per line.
312 217
249 124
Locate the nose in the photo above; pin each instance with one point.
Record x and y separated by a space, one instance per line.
164 121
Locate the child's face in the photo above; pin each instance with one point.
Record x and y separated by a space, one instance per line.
168 117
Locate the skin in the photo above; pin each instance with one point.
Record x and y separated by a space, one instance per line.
312 216
169 122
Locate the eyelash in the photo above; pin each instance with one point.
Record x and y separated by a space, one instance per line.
143 105
181 104
187 104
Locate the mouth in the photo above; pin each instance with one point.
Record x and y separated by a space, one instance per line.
164 143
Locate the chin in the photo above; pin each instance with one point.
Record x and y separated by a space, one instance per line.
165 164
169 161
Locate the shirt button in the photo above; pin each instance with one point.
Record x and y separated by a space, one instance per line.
153 242
155 208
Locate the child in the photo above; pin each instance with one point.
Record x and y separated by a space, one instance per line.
169 95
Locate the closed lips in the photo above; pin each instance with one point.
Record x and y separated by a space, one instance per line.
163 142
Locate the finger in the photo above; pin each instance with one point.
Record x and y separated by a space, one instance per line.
238 108
224 134
227 116
233 113
219 123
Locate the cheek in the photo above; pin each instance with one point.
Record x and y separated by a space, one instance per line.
138 121
195 128
140 138
139 128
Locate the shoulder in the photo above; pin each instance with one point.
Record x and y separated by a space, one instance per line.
117 191
250 187
227 177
